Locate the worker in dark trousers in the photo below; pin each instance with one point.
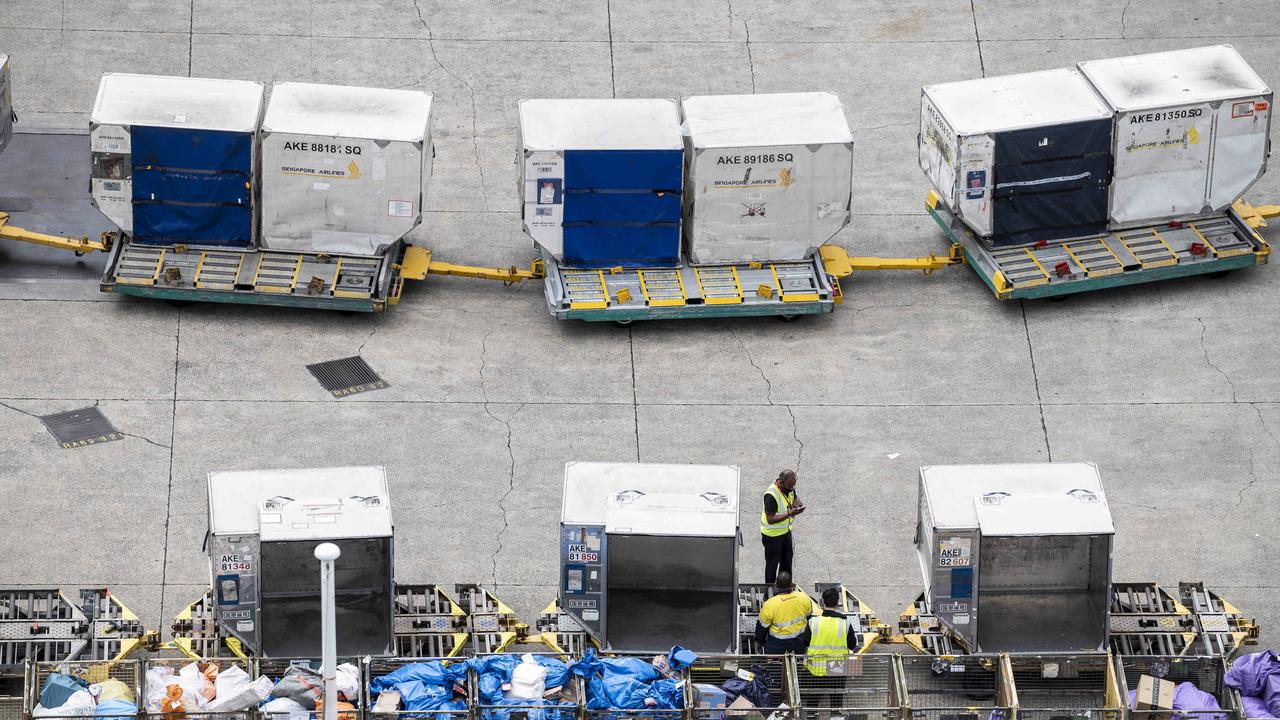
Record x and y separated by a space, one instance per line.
783 624
781 505
831 643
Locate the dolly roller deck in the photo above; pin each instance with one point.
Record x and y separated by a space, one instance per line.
1207 244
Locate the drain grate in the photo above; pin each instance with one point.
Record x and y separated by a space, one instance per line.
80 428
347 376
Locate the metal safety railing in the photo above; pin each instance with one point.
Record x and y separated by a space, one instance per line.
972 687
1207 674
1051 687
863 686
393 707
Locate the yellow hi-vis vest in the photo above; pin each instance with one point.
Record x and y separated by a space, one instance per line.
828 640
784 504
785 615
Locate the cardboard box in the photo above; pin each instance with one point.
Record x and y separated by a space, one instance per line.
1154 696
710 698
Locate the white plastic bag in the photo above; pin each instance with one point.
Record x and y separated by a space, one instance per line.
284 708
528 680
193 684
79 702
158 678
237 692
348 681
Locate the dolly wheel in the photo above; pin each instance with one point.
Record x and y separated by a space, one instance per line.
623 323
788 318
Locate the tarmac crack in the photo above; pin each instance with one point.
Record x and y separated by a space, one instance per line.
1035 376
475 144
977 37
511 486
1124 21
635 402
795 434
751 359
367 338
20 410
746 28
147 440
1205 349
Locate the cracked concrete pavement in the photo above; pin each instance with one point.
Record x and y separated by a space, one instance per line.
1173 389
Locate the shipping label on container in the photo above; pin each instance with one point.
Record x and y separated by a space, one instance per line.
973 202
938 151
543 190
109 139
336 159
954 552
1161 163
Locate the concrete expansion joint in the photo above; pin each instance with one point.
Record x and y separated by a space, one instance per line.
1205 349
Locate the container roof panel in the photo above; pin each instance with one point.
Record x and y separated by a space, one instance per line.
163 101
652 499
235 496
347 111
599 124
1179 77
955 492
1014 102
724 121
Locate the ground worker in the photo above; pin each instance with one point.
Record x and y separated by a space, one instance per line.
781 504
830 638
784 618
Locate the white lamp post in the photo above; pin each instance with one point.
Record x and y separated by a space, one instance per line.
326 553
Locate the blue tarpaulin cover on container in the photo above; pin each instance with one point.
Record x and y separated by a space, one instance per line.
494 671
627 683
622 207
192 186
425 686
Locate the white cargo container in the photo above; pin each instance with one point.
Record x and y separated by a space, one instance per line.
600 180
1019 158
344 169
174 158
6 104
769 177
1191 130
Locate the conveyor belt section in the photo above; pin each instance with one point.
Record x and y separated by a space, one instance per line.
625 294
178 272
1145 620
47 626
752 596
1207 244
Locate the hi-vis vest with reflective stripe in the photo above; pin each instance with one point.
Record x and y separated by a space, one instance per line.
784 504
828 640
785 615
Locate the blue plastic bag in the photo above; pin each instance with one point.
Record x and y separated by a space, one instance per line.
756 690
115 707
1254 707
626 683
57 688
425 687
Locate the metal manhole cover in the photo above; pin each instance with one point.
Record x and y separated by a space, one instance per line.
80 428
347 376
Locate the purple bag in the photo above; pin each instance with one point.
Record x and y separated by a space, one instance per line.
1254 708
1249 674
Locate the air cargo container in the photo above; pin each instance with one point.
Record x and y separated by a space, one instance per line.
649 555
1019 158
769 177
344 169
264 526
174 158
6 104
1017 557
601 180
1191 131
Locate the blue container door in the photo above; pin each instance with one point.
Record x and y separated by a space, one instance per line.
621 207
638 245
192 186
623 169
